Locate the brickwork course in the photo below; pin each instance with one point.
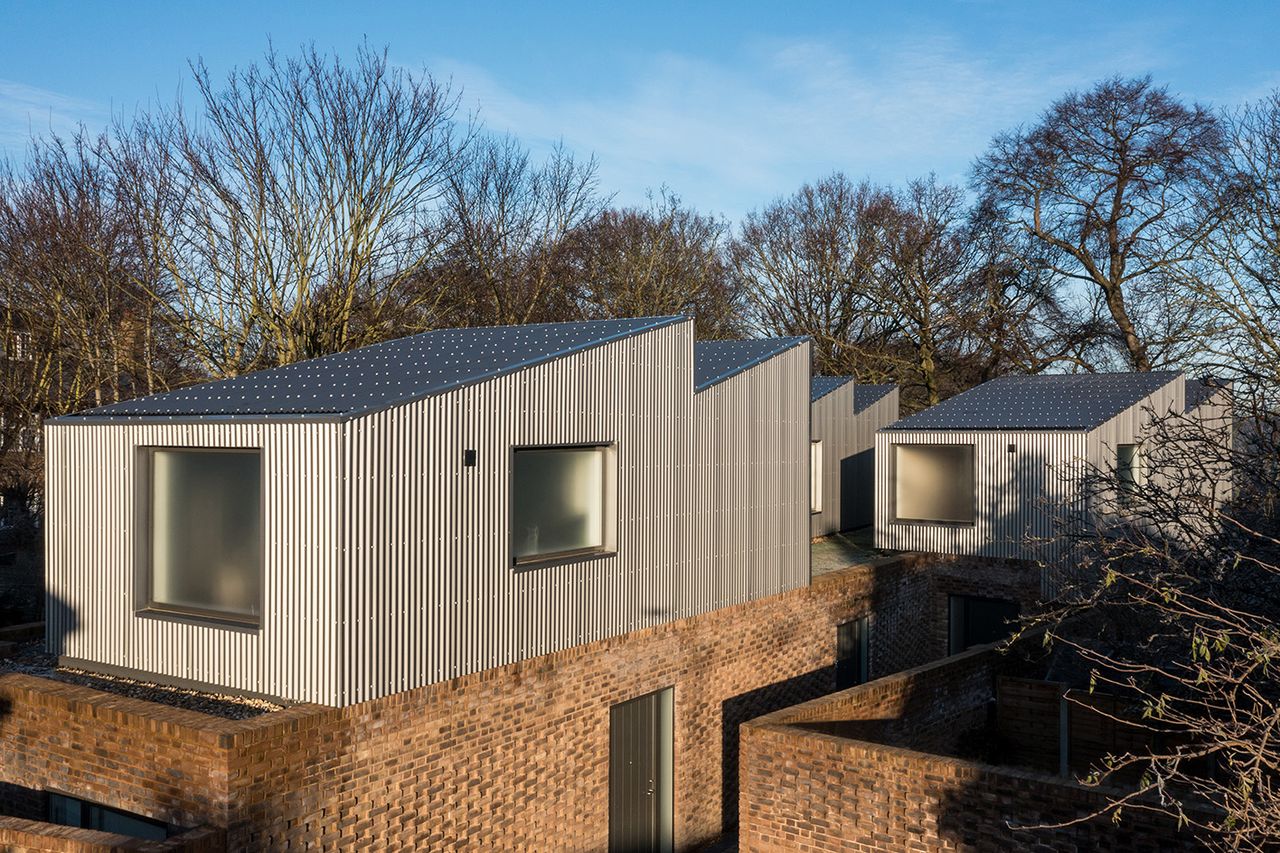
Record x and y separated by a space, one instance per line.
873 768
510 758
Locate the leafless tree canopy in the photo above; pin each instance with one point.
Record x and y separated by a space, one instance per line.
306 205
1108 184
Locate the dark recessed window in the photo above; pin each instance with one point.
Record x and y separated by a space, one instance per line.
934 482
204 536
975 621
72 811
562 502
853 653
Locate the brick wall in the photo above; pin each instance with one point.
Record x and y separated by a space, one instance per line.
860 770
17 834
507 758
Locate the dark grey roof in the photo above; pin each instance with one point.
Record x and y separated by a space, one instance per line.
821 386
373 377
716 361
1199 390
865 395
1047 401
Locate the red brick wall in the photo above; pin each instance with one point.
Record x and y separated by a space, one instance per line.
508 758
17 835
836 775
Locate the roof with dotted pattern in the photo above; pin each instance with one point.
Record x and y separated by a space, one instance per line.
1045 401
716 361
351 383
821 386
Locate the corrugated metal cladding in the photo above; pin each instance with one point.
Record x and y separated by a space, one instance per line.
749 479
836 426
1021 496
388 560
91 543
848 437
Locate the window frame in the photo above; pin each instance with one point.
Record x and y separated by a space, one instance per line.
973 463
1127 489
816 480
609 511
145 604
860 626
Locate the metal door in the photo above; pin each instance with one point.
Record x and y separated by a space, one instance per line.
640 764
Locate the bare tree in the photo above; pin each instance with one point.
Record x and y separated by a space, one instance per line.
1237 269
1107 183
76 330
507 220
1175 613
806 264
298 206
660 260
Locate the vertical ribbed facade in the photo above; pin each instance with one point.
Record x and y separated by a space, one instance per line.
388 560
1023 496
835 424
94 552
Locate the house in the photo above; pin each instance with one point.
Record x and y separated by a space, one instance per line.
506 585
845 417
994 470
373 521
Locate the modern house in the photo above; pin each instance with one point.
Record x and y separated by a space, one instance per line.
992 471
845 417
373 521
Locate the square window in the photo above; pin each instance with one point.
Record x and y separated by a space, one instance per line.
204 533
934 482
562 502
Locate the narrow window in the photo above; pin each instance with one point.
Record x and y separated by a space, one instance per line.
934 482
853 657
72 811
1129 471
815 475
205 533
562 501
975 621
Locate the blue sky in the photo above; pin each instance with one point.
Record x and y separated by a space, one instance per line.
729 105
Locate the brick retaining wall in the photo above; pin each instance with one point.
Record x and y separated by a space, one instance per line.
507 758
860 771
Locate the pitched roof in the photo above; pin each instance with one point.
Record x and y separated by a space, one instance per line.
1199 390
373 377
716 361
821 386
865 395
1046 401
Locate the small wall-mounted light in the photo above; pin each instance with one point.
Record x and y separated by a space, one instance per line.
469 458
1013 448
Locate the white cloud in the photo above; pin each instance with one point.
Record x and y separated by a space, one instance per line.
729 137
27 111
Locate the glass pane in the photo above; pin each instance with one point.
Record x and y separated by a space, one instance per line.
934 482
1127 468
558 501
206 530
815 476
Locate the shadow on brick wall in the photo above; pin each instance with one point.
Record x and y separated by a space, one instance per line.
745 706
